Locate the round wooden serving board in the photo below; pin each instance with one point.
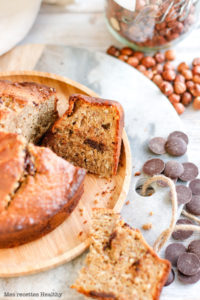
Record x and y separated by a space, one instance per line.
71 238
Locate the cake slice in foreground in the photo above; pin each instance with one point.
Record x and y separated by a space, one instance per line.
89 134
120 264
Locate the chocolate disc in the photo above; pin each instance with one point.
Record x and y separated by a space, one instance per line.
170 278
195 186
179 134
157 145
189 279
184 194
194 205
153 166
182 234
188 264
173 251
190 171
194 247
173 169
176 146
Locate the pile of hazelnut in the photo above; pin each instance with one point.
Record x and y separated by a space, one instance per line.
180 85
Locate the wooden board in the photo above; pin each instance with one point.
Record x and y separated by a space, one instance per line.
71 238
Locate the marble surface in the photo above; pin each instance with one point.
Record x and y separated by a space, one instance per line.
113 80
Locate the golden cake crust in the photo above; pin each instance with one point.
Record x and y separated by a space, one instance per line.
42 190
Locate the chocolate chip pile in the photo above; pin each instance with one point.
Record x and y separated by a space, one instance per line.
187 260
181 85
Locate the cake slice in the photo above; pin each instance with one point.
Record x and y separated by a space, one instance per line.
38 190
120 264
89 134
27 108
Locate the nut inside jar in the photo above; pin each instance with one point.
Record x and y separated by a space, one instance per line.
151 24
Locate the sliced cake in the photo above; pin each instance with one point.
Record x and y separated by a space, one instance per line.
120 264
89 134
27 108
38 190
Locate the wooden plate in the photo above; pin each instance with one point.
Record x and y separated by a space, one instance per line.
71 238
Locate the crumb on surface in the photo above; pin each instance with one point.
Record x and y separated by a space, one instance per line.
137 173
151 213
80 233
147 226
127 202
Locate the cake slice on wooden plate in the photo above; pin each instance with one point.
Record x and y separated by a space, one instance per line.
120 264
89 134
27 108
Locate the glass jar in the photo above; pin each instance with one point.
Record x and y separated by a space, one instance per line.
151 24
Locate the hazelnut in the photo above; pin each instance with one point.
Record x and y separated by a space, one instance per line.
187 74
112 50
148 62
186 98
159 57
179 87
157 69
196 70
148 73
195 90
168 66
174 98
123 57
157 79
196 61
196 103
189 84
139 55
141 68
178 27
169 75
126 51
196 78
160 26
179 78
166 88
182 66
179 107
133 61
170 55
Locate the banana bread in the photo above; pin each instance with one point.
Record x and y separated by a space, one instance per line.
27 108
38 190
120 264
89 134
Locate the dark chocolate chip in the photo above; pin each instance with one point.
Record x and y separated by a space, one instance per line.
106 126
170 278
111 238
184 194
189 279
194 205
195 186
190 171
153 166
179 134
188 264
173 169
173 251
194 247
157 145
95 145
182 234
176 146
28 164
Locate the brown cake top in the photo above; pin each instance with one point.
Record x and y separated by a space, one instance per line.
34 183
15 95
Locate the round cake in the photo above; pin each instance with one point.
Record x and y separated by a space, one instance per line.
38 190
